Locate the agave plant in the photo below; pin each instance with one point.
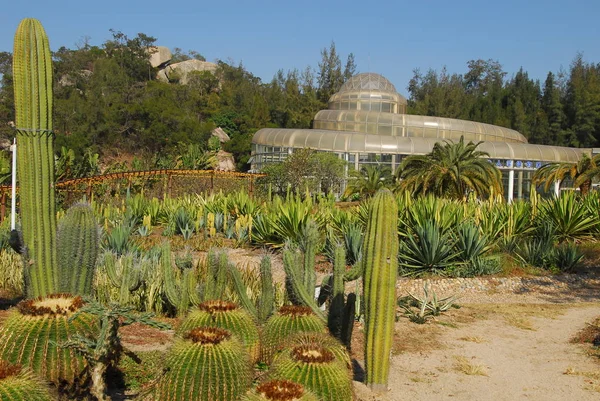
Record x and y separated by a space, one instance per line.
430 249
570 216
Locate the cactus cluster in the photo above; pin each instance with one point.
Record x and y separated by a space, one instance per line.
125 272
32 77
228 316
77 243
18 384
31 334
380 274
206 364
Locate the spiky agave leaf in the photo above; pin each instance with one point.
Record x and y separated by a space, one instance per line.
287 321
32 333
279 390
228 316
207 364
315 368
18 384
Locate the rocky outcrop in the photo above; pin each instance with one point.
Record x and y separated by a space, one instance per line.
159 56
225 161
221 134
179 71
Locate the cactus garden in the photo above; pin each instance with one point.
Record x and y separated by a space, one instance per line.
229 295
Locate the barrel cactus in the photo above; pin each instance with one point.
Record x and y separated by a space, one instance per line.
32 75
279 390
77 242
32 333
289 320
315 368
207 364
324 340
380 273
18 384
228 316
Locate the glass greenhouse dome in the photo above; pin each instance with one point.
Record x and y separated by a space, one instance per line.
366 124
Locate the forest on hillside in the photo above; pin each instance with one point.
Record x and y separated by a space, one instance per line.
108 100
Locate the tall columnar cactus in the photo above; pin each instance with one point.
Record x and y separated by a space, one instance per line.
208 364
126 273
32 75
31 336
77 243
262 309
380 274
315 368
228 316
279 390
18 384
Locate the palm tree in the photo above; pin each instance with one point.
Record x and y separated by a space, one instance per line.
582 173
450 170
368 180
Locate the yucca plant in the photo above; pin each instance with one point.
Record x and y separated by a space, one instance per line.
225 315
429 249
570 217
315 368
279 390
18 384
287 321
207 364
31 335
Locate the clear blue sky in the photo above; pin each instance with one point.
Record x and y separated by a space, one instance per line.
388 37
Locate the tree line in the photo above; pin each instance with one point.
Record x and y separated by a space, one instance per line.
108 101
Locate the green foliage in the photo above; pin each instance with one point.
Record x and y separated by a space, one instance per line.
228 316
32 70
126 273
420 310
77 242
368 180
379 281
31 333
225 366
119 239
17 384
570 217
567 257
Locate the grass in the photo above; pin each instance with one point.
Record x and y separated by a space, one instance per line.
473 339
593 376
464 365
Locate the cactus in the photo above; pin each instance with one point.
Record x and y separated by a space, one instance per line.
125 272
298 293
208 364
380 273
324 340
288 321
279 390
77 245
17 384
315 368
266 301
228 316
31 335
32 77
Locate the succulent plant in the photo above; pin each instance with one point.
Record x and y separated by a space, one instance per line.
18 384
279 390
380 274
31 336
228 316
77 243
324 340
315 368
288 321
207 364
32 76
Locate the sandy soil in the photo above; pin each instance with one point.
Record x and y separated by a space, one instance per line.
499 355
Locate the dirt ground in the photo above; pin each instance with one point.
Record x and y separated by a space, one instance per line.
494 352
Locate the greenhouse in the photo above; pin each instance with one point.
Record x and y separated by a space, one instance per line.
366 124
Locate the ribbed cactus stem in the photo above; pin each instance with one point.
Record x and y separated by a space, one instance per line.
266 302
300 294
309 249
381 270
32 75
125 273
336 308
77 243
242 291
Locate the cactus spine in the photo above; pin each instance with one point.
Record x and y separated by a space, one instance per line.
207 365
380 274
32 72
18 384
279 390
77 245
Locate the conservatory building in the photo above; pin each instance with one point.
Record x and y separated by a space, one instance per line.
366 123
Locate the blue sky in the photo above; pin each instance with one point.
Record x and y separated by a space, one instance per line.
388 37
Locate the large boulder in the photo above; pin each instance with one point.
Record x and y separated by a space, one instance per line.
159 56
179 71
